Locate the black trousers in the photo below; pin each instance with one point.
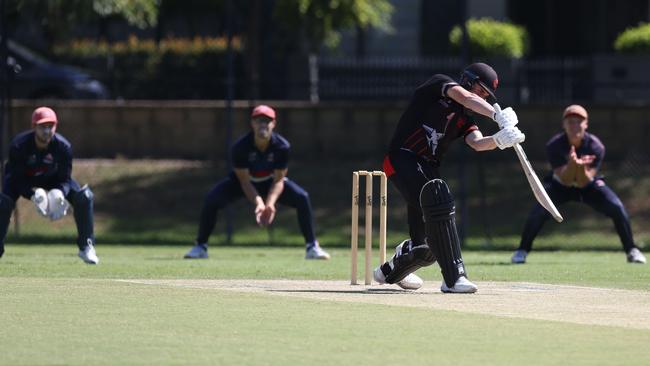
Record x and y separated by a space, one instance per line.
409 174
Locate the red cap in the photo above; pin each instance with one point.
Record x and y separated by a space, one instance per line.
263 110
575 110
43 115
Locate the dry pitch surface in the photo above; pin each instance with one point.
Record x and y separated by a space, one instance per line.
572 304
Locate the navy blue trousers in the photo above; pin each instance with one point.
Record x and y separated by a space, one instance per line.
81 199
228 190
597 195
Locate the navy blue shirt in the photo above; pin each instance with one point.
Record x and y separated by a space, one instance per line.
29 167
260 165
432 121
558 147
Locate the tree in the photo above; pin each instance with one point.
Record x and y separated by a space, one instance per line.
57 17
320 21
140 13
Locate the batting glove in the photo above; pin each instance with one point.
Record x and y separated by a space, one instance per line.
505 118
508 137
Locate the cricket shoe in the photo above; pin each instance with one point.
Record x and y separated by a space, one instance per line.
199 251
462 286
519 256
316 252
410 282
635 256
88 254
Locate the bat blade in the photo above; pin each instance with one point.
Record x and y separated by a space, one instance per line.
537 187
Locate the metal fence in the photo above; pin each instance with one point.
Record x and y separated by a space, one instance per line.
601 79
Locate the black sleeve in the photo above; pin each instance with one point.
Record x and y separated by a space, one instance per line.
64 173
436 87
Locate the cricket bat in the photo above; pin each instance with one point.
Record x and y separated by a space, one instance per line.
536 186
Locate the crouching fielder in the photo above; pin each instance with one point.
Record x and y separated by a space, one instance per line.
438 114
39 169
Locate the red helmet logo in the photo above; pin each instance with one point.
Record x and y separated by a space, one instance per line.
495 83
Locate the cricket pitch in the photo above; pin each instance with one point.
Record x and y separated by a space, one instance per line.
562 303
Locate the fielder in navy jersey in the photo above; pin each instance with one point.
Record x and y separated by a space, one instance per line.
575 157
439 112
260 161
39 168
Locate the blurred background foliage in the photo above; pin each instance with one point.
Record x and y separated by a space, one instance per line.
489 38
634 40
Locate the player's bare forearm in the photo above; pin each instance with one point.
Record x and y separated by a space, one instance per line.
471 101
276 187
247 187
251 193
478 142
574 174
274 192
585 175
566 173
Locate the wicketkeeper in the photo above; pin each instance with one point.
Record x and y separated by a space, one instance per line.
439 112
39 169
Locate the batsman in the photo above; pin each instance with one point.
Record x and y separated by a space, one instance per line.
440 111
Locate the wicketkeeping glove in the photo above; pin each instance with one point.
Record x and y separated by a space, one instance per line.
40 201
58 206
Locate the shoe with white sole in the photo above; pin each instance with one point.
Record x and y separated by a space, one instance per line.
88 254
635 256
199 251
519 256
410 282
316 252
462 286
378 276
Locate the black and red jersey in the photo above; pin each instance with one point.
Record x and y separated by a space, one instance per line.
431 121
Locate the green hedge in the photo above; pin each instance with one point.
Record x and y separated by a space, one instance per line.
634 40
488 37
175 68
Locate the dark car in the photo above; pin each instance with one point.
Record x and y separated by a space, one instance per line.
37 78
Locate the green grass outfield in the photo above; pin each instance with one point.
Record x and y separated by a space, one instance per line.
55 310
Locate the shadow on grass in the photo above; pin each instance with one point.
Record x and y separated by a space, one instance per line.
153 203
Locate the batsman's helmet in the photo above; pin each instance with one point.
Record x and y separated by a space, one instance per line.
483 74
